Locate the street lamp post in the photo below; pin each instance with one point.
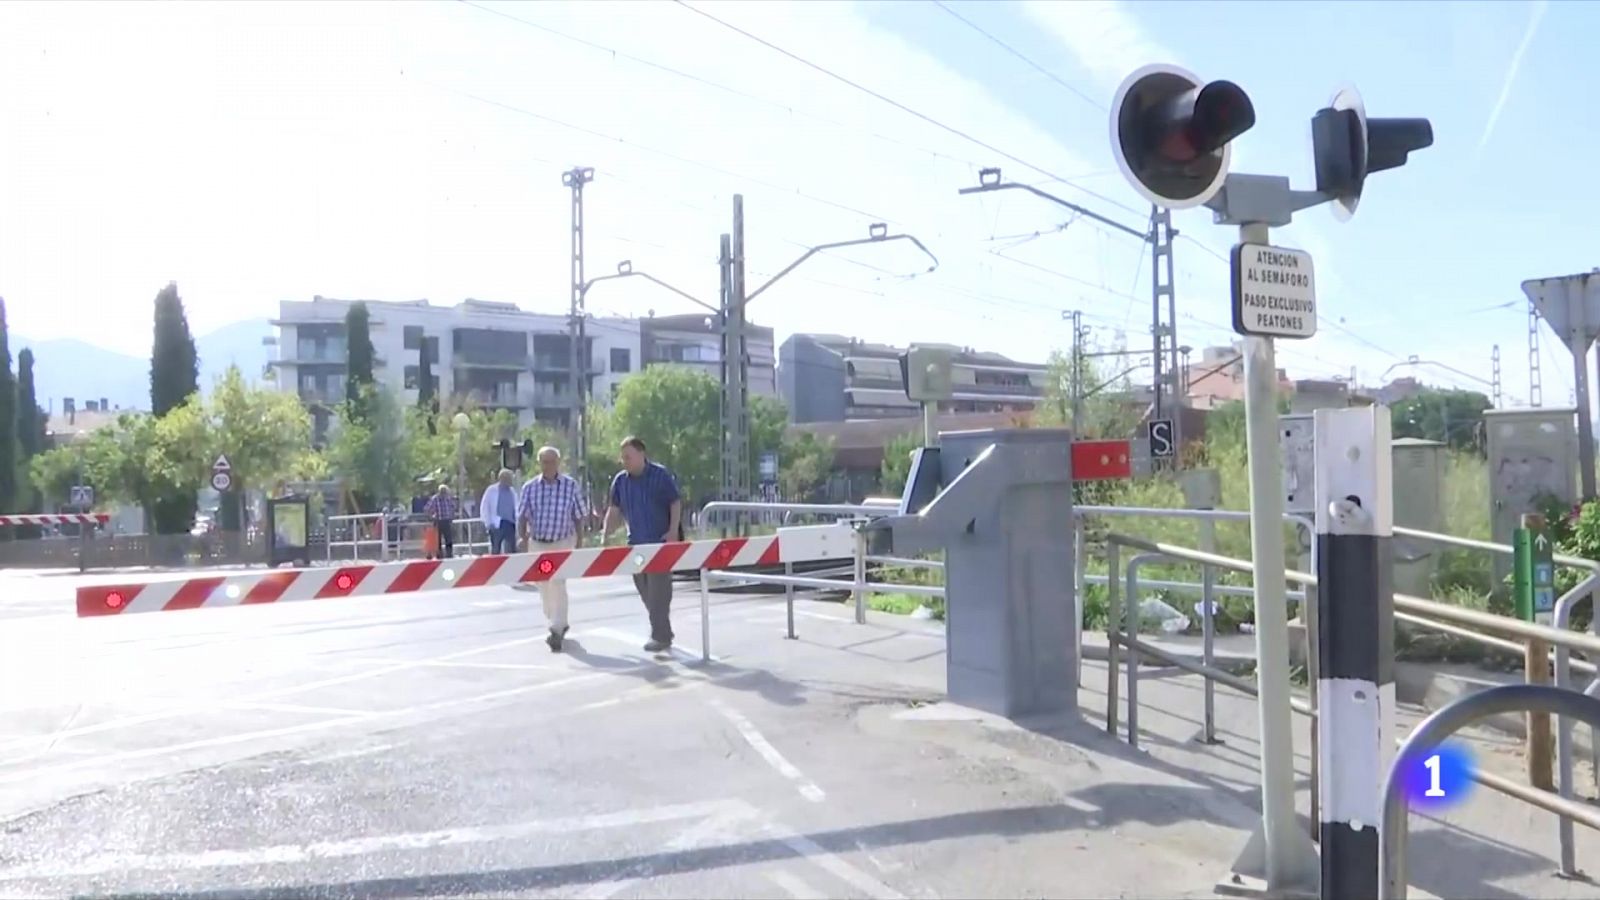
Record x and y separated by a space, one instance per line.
461 421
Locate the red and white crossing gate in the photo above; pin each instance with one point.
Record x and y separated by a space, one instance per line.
799 544
57 519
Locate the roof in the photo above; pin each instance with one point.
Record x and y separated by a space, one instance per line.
848 346
82 423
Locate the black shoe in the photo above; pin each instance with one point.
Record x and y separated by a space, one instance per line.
554 640
657 646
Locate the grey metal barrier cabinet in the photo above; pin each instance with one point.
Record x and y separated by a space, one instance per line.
1002 505
1392 883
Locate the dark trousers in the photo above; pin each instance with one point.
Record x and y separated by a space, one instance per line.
447 537
503 537
655 589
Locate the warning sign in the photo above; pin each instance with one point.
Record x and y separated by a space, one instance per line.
1274 292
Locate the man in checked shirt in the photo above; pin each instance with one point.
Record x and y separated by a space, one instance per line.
441 509
552 513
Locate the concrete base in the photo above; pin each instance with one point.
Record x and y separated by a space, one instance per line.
1250 886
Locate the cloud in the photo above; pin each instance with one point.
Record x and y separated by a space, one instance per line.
1535 16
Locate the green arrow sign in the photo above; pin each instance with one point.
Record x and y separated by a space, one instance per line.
1534 571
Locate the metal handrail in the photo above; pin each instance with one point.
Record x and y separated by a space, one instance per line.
1392 833
1407 608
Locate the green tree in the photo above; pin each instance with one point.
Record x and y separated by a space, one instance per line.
174 364
804 464
427 399
174 379
358 356
675 411
377 454
8 422
54 472
897 462
265 434
31 418
31 423
1451 417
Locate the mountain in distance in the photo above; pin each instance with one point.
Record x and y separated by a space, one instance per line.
68 367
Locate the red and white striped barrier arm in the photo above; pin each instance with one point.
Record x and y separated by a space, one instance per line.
281 586
57 519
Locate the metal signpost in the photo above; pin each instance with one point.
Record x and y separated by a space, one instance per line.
1171 134
1533 581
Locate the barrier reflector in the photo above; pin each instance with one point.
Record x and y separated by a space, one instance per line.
1101 460
789 545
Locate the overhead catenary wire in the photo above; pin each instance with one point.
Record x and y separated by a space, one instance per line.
1019 55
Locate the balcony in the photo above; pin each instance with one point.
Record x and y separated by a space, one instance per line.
547 363
487 359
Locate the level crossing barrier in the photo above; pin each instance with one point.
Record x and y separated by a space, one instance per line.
789 545
80 519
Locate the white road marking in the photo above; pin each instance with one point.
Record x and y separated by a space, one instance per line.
452 664
681 652
719 825
454 703
816 853
204 705
284 854
293 708
747 729
794 885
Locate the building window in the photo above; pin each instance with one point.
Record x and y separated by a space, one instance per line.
413 336
620 361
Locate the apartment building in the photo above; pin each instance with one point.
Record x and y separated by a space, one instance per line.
493 355
694 341
832 378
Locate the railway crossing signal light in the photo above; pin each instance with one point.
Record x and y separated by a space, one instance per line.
1171 132
513 455
1348 146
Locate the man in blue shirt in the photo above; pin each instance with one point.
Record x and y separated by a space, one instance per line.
645 495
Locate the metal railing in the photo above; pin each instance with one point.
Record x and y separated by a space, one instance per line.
354 524
1393 832
1415 610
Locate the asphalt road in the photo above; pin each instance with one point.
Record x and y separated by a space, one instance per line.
431 745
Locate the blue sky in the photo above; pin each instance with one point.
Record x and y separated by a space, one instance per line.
261 152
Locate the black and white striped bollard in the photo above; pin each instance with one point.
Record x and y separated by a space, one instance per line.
1355 641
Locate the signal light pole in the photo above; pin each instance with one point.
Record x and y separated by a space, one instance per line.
1171 136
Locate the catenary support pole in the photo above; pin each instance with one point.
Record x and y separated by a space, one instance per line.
1355 687
574 180
1280 851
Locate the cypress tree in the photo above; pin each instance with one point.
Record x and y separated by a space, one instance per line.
8 421
174 365
426 400
358 358
174 377
30 430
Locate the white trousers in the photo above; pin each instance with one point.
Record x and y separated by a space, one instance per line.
554 593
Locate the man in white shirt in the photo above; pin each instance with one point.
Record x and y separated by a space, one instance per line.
550 516
499 508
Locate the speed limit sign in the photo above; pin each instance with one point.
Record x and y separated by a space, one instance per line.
221 481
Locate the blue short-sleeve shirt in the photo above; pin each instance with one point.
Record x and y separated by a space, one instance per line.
646 502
